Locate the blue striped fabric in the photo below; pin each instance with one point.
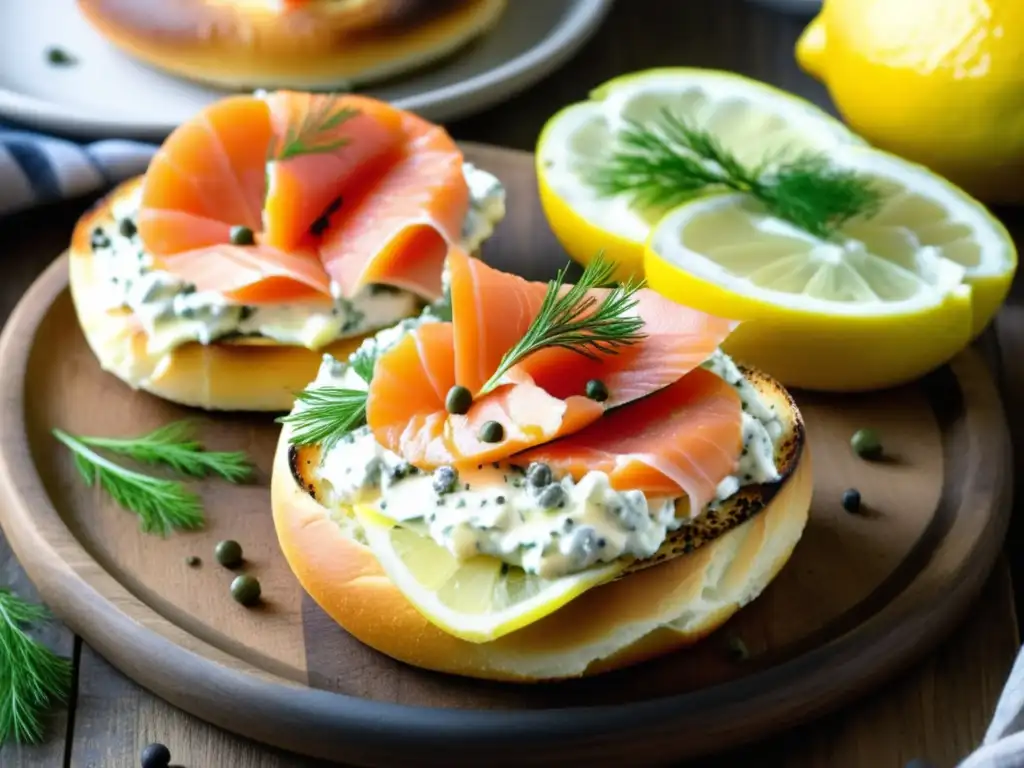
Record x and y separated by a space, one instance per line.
37 169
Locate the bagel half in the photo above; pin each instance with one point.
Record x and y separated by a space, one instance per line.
237 374
645 614
323 44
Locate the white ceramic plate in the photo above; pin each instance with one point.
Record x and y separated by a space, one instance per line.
109 94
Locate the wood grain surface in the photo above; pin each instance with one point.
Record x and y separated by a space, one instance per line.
862 594
937 711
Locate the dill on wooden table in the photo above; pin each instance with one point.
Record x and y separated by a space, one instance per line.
32 677
670 161
162 505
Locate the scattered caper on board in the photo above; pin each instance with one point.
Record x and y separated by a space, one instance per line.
737 648
156 756
229 553
851 500
246 590
866 444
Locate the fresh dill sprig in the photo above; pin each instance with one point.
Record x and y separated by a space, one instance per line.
565 319
32 677
312 134
326 414
362 362
672 161
173 445
162 505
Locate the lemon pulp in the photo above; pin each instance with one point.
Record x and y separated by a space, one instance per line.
479 599
751 119
892 297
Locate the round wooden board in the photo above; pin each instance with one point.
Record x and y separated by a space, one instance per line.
862 596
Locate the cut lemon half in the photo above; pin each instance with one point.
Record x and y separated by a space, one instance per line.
479 599
891 298
751 119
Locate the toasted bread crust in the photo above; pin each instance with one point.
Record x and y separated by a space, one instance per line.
323 45
646 614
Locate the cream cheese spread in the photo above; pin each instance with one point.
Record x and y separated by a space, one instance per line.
524 515
172 312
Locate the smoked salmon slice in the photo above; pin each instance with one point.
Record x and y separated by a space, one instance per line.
685 438
255 274
320 147
401 228
405 407
343 187
492 311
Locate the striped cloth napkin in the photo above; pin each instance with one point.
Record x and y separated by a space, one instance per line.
36 169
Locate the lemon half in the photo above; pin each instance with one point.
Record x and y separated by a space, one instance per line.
477 600
893 297
750 119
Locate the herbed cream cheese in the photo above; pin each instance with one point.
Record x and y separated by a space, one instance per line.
525 516
172 312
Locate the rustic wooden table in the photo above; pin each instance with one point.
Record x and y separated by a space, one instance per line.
937 711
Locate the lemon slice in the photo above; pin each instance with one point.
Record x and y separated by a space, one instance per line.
893 297
479 599
751 119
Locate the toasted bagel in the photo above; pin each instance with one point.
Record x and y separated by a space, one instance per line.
320 44
236 374
649 612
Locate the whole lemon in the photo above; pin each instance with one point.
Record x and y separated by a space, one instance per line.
940 82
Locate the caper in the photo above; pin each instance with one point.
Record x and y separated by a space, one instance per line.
99 239
538 474
156 756
242 236
851 500
444 479
192 561
552 496
866 444
492 432
229 553
59 56
596 390
458 400
738 649
127 228
246 590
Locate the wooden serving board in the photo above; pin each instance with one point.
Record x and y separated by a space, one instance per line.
862 596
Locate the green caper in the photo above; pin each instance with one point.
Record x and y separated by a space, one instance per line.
851 500
229 553
866 444
242 236
127 228
192 561
738 650
246 590
492 432
458 400
596 390
59 56
538 474
445 479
